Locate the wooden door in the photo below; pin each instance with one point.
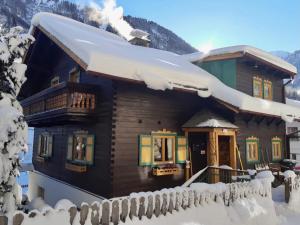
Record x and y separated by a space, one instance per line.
198 147
224 150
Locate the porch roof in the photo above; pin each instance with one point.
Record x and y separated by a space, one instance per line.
206 119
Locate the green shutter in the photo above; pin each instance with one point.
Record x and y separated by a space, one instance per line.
50 145
70 148
181 149
145 150
89 151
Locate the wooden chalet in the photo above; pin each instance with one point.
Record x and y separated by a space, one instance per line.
113 118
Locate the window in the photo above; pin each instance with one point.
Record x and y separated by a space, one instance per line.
74 75
45 145
55 81
291 130
268 92
41 192
252 149
276 148
162 148
257 87
81 148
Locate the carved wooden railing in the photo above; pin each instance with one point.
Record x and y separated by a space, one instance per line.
73 97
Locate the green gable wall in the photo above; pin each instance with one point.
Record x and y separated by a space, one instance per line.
225 70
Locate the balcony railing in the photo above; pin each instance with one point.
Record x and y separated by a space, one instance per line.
67 101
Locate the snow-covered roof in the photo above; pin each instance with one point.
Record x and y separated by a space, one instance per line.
207 118
244 50
101 52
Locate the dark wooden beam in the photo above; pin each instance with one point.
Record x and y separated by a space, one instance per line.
270 121
279 122
259 119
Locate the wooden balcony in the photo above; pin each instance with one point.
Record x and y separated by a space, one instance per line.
66 102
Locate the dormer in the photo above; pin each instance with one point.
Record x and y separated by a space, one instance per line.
247 69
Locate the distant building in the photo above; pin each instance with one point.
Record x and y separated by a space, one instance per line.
113 118
293 133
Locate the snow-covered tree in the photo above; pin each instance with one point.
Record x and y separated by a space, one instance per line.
13 128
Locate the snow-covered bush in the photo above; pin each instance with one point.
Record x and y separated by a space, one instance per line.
13 128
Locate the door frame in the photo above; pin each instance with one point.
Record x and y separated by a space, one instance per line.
213 145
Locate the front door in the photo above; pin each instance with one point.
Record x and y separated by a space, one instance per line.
198 147
224 150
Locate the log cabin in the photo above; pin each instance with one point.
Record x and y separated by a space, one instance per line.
113 118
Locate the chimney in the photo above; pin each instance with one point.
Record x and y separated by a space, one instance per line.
140 38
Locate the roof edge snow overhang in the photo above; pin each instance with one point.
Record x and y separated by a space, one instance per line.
84 66
240 54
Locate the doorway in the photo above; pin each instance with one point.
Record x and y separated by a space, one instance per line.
198 146
224 150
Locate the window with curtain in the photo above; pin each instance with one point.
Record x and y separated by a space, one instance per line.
252 149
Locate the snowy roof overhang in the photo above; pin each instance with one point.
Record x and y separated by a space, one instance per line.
241 51
208 119
105 54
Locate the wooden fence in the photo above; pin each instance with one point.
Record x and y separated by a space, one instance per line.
148 205
291 185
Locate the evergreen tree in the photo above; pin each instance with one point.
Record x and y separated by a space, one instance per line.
13 132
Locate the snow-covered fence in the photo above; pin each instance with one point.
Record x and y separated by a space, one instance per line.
144 206
292 186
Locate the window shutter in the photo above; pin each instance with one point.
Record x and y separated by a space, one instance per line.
89 151
145 150
181 150
50 145
39 145
70 148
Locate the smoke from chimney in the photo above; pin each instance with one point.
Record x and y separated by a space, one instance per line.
112 14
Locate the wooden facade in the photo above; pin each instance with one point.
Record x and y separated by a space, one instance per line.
117 112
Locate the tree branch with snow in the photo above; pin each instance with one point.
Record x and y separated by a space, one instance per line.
13 132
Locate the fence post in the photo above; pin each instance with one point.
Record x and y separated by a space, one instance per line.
141 211
84 213
157 205
133 208
124 210
95 216
3 220
18 219
115 214
287 189
149 212
72 212
106 213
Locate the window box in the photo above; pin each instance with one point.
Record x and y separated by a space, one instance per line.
165 171
76 168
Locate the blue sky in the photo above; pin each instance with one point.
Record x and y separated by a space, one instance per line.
267 24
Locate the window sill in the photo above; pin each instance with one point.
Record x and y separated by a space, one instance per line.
165 171
76 168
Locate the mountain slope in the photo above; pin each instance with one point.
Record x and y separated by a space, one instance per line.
20 12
